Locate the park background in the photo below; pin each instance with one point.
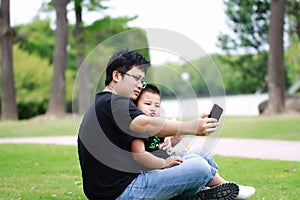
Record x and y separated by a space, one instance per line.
40 60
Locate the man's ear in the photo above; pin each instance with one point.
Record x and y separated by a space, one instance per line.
116 76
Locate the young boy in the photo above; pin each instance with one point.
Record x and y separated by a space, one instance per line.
148 152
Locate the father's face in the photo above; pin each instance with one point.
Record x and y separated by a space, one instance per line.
131 84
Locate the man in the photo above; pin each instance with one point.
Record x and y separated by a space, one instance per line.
113 122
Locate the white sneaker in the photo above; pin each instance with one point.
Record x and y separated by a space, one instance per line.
245 192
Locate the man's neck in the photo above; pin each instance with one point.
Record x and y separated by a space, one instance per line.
110 88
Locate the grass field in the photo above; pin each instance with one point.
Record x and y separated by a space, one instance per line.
39 172
52 172
280 127
262 127
24 128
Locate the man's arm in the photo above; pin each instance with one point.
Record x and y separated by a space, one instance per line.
200 126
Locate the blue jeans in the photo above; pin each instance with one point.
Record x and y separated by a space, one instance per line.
207 156
184 181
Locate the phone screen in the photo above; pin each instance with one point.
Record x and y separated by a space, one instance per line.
216 112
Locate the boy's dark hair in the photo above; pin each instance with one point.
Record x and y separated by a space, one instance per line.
123 61
149 88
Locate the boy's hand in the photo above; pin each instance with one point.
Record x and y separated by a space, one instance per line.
166 145
173 160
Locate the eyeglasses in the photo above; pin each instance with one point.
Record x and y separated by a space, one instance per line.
137 78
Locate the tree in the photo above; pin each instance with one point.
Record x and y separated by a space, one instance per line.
246 46
91 34
84 97
57 103
252 22
8 100
276 70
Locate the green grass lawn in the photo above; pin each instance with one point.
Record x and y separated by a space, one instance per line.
262 127
24 128
279 127
273 180
52 172
39 172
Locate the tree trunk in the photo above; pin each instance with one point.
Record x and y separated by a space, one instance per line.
82 81
57 103
8 100
276 70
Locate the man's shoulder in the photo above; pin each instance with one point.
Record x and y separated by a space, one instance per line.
106 95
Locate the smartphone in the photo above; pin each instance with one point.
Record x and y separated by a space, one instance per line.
215 112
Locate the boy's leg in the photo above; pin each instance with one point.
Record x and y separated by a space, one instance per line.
217 180
206 155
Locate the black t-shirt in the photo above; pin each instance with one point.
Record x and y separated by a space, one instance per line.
104 143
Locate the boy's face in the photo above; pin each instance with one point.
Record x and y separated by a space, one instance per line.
149 103
131 84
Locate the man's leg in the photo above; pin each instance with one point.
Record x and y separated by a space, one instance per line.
184 180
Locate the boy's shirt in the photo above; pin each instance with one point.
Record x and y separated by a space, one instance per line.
152 146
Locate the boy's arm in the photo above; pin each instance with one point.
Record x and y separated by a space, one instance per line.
144 157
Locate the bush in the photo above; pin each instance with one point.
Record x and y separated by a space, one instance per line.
33 77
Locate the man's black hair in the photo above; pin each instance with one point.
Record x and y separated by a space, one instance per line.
123 61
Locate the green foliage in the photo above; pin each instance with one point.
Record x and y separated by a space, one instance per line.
99 31
249 22
168 79
243 74
33 77
293 12
206 78
238 74
201 78
36 38
93 5
32 82
292 60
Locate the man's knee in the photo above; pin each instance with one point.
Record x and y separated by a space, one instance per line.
199 166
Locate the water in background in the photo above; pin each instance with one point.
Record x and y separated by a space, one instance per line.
233 105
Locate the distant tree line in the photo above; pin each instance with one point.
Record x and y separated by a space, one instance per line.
64 47
40 61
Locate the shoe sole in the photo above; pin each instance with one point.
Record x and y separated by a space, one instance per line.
225 191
